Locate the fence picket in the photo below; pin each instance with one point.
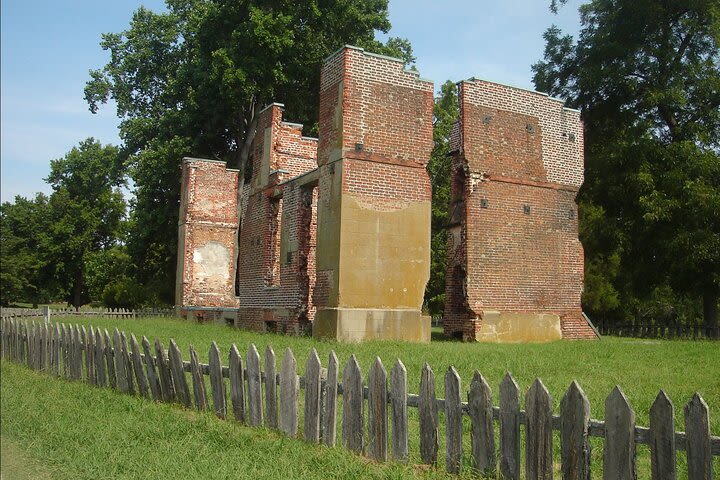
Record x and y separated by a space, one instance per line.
56 350
428 417
352 425
453 421
137 364
120 371
84 351
100 368
78 348
167 386
110 361
574 425
271 403
619 451
254 379
330 422
289 388
377 411
312 398
697 434
538 449
44 347
662 438
201 402
237 384
127 363
482 429
151 371
398 397
217 384
90 356
30 360
182 390
509 428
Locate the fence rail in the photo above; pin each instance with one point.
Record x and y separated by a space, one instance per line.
270 397
47 312
657 330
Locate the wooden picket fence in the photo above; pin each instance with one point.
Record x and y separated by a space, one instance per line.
95 312
271 398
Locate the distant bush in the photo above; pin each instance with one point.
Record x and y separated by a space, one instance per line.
124 293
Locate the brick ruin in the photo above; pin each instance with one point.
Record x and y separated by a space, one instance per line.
515 264
332 235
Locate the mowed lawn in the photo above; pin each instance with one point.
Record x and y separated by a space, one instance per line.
62 429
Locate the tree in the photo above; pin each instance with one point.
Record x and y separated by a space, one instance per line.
87 208
191 80
445 113
23 237
646 75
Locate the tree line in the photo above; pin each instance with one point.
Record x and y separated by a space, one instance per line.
189 81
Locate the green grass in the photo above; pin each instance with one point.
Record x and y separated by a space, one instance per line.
641 367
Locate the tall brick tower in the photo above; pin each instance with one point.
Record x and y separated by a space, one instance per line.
515 269
373 239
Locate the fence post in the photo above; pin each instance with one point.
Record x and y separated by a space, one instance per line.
352 427
110 361
312 397
217 384
138 367
481 419
237 384
662 438
330 422
697 437
167 387
453 421
509 428
46 313
201 402
574 425
100 369
255 410
399 397
271 404
289 389
377 411
538 433
619 451
428 416
182 390
151 370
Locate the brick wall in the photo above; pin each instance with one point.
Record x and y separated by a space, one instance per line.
513 244
207 227
276 241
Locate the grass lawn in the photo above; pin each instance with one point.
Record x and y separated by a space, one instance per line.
641 367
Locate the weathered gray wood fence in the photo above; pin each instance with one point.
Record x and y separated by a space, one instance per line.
265 397
95 312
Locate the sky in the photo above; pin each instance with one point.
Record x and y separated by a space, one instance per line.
47 48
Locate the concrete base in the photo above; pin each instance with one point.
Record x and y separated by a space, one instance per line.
499 327
359 324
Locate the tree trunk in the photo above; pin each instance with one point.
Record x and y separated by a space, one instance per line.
710 312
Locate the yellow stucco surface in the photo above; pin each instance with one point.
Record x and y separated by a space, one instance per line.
501 327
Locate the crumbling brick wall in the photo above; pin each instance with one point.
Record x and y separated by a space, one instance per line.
514 247
207 233
374 197
276 241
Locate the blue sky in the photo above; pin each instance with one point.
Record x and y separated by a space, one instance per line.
47 48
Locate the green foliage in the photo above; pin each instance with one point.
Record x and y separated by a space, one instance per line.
190 81
123 292
646 75
87 209
23 236
445 113
103 267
